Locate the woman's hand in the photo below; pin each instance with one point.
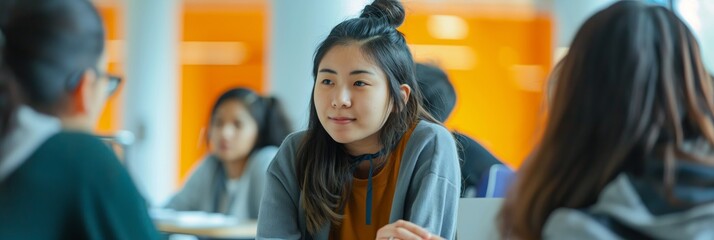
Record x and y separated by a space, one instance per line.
404 230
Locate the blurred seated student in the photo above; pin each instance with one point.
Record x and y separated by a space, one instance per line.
57 181
245 132
439 100
628 151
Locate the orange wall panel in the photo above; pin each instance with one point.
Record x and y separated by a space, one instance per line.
498 98
202 84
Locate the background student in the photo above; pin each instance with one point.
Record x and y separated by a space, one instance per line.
439 100
244 134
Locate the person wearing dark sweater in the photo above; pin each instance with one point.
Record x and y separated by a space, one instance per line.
439 100
72 187
57 181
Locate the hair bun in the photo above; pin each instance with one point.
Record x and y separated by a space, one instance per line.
391 10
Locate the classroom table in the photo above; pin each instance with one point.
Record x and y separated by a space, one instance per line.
211 225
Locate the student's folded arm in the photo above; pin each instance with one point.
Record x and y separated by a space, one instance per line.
436 185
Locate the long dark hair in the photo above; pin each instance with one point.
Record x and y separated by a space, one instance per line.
44 45
323 166
268 113
630 92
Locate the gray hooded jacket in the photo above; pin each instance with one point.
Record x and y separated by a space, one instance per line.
635 208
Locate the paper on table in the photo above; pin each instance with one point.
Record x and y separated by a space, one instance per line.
192 219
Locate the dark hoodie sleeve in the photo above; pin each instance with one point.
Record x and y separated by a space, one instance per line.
476 159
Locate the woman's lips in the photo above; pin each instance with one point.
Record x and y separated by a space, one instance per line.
342 120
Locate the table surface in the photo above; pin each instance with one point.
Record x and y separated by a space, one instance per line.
242 230
204 224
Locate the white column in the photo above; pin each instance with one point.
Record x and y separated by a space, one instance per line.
151 100
706 41
296 28
698 15
571 14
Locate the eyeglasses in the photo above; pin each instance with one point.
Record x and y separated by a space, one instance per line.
114 81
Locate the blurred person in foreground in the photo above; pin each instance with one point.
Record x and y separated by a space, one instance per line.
628 149
57 181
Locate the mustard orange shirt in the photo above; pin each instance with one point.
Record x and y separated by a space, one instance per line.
383 185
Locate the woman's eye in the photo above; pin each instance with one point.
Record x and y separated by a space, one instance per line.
360 84
326 82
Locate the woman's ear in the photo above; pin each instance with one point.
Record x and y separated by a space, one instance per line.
405 90
79 94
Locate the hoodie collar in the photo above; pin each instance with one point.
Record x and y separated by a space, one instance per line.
30 130
694 186
641 206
